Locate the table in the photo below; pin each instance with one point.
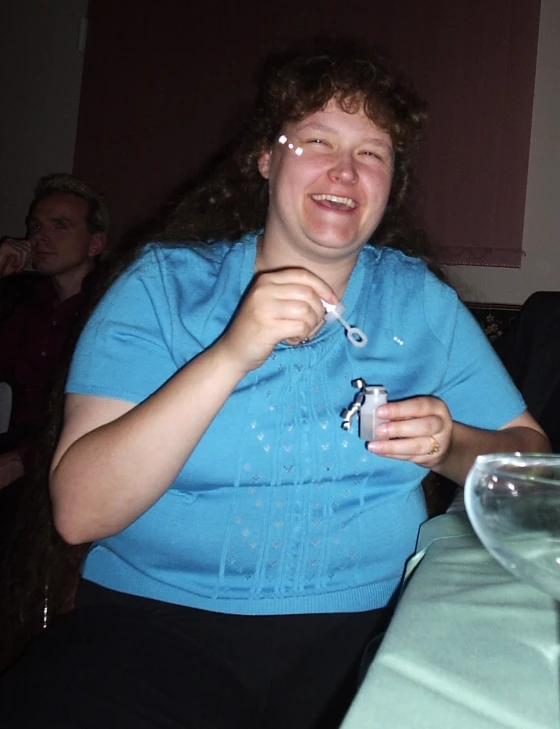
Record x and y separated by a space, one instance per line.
469 646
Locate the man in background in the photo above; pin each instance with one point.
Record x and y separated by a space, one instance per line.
67 228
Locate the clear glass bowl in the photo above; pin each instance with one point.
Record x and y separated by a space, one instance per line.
513 502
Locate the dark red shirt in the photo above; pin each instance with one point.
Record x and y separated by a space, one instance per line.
33 342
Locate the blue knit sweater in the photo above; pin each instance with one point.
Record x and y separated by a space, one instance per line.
278 510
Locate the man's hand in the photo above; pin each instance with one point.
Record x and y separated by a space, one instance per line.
15 254
11 468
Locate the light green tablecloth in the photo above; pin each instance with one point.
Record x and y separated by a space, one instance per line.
469 646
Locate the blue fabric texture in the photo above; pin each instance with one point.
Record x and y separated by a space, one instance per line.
279 510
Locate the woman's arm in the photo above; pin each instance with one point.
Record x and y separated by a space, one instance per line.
417 425
522 434
115 459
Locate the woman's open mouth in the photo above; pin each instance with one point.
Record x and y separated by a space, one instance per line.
335 202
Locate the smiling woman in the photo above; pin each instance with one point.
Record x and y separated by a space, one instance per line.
326 202
245 545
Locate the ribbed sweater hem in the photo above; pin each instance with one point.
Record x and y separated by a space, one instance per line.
350 600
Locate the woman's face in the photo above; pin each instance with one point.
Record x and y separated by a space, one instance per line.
329 182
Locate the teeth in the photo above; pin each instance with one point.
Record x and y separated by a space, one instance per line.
336 199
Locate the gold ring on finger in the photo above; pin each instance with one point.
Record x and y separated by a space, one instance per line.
435 446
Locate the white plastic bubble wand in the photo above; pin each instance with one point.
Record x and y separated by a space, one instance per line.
354 335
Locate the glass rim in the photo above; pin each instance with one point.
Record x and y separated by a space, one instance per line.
490 462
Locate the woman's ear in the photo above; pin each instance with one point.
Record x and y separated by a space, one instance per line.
264 163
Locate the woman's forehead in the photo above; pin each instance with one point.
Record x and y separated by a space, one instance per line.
337 119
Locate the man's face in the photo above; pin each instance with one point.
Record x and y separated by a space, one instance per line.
60 240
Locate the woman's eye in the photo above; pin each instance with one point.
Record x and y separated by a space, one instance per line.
60 226
373 155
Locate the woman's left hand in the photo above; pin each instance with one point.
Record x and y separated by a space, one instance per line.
418 429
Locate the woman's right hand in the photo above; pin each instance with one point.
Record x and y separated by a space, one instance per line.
282 305
15 254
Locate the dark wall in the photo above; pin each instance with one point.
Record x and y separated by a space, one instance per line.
162 82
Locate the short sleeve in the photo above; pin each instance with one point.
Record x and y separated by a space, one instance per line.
122 352
476 388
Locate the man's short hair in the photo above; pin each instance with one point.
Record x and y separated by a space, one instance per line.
97 220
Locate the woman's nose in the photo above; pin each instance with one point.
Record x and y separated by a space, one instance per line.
344 169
